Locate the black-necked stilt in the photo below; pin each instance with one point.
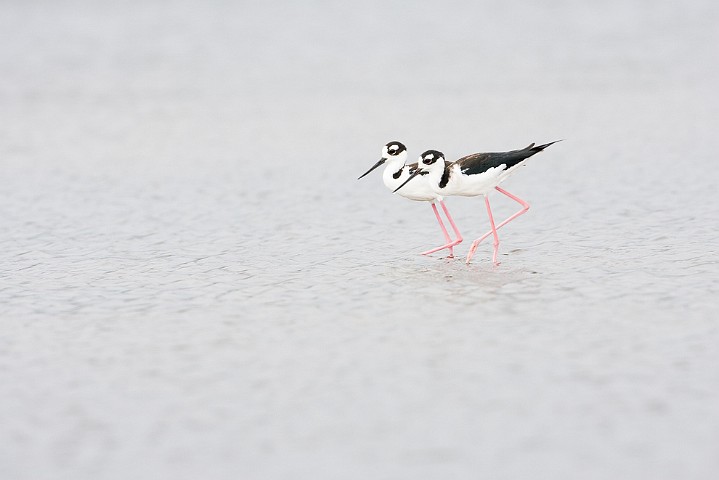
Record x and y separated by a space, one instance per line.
396 172
473 175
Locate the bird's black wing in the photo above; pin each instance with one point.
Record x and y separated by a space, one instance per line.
413 167
481 162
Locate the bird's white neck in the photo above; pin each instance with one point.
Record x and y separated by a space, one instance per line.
393 165
435 175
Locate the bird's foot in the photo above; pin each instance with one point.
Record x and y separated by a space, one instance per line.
449 245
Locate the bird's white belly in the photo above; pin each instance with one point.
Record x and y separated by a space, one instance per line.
418 189
480 184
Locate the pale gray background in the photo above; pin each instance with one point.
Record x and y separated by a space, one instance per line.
193 284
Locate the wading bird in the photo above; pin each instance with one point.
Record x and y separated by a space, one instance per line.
474 175
395 174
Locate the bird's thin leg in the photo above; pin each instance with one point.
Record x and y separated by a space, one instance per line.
450 243
525 207
459 238
494 230
447 238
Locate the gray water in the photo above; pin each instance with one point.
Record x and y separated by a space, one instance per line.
193 284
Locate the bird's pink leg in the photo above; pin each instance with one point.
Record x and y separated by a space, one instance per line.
447 238
450 243
525 207
459 238
494 230
441 224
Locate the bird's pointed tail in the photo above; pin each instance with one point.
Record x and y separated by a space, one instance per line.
539 148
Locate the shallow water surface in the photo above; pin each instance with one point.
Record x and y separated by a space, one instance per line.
194 284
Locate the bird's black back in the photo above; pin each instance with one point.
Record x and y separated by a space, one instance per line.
481 162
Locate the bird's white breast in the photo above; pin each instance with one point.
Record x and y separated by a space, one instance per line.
479 184
417 189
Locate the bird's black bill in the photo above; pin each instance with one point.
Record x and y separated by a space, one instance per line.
416 172
381 161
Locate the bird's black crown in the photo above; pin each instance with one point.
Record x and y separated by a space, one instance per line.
431 156
395 148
